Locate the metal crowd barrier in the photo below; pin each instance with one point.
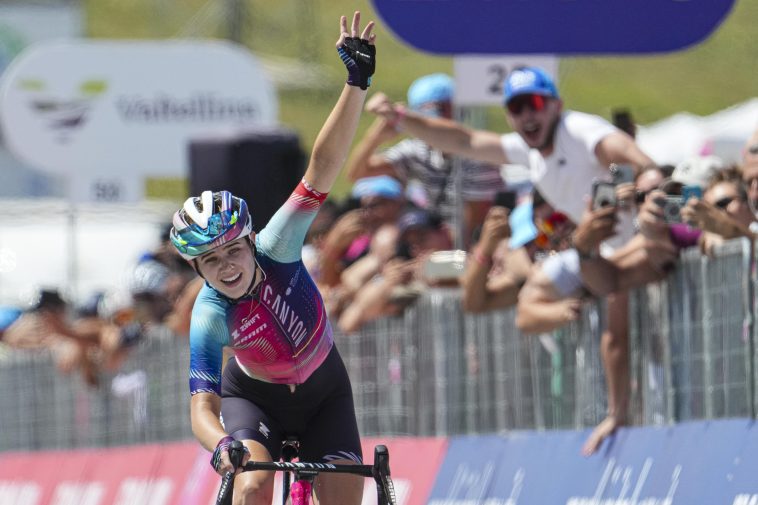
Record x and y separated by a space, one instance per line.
146 400
438 371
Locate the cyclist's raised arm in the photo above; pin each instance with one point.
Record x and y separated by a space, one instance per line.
443 134
333 141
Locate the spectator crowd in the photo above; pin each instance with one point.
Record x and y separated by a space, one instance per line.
429 207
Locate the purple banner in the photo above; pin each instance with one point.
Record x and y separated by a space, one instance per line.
552 26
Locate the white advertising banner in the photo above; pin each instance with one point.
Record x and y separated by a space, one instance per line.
107 115
479 79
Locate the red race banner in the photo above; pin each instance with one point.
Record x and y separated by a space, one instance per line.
178 473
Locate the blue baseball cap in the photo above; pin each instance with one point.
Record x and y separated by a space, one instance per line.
527 81
523 230
380 185
430 88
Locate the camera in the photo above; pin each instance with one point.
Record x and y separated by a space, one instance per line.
622 174
672 207
445 265
691 192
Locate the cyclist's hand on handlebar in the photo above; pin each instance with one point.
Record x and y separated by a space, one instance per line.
245 459
221 460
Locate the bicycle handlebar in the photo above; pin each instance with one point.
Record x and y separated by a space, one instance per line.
281 466
379 471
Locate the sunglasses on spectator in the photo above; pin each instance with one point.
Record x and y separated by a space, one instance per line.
535 102
724 202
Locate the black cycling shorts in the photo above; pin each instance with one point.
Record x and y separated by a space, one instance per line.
320 412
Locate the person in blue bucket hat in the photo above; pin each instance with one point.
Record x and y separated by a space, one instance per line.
415 162
431 93
381 186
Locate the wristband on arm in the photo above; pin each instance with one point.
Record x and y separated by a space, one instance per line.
400 111
481 258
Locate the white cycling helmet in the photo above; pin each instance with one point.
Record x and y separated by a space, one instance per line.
209 221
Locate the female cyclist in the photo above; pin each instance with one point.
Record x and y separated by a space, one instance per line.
286 378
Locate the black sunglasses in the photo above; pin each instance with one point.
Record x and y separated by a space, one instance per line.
724 202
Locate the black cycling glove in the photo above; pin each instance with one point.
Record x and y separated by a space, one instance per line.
225 445
360 59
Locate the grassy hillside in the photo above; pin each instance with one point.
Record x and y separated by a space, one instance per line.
708 77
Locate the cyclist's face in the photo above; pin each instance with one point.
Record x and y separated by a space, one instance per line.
229 268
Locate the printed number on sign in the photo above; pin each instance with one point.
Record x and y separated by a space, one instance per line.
497 75
106 191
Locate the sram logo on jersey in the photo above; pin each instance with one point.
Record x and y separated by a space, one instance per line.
290 321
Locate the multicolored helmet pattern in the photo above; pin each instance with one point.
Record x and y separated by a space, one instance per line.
209 221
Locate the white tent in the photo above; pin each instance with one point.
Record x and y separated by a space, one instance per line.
47 243
682 135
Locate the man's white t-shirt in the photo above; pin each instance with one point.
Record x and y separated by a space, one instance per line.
565 177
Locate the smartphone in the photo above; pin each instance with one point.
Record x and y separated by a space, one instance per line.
691 191
603 194
505 199
622 174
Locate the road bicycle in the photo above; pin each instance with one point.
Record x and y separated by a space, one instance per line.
299 489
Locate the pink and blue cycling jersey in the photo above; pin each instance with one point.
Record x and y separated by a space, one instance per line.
279 335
